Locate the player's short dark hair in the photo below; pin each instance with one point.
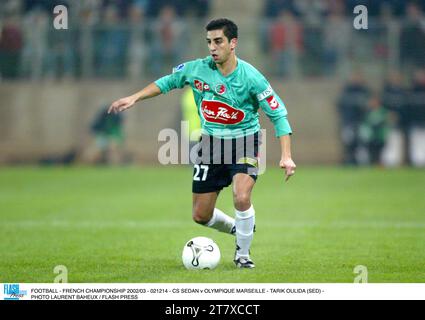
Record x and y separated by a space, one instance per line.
230 29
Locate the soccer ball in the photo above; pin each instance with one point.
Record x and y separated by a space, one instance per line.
201 253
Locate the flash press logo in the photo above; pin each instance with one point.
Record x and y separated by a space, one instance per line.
60 20
244 150
362 274
360 21
12 292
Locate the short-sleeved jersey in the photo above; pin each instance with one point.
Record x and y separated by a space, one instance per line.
228 105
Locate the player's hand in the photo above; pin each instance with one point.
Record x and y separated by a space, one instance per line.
122 104
289 166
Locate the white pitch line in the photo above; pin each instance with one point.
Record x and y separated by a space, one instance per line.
140 224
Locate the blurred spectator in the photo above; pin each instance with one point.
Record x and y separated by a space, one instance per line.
88 17
112 42
312 12
273 7
35 29
374 130
138 48
416 102
167 42
394 100
61 54
10 47
336 44
351 108
311 15
45 5
397 7
141 4
109 138
121 7
286 43
340 7
412 39
89 10
200 8
155 7
380 29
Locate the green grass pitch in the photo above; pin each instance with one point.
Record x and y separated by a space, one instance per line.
130 224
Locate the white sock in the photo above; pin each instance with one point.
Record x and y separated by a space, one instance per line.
245 221
221 221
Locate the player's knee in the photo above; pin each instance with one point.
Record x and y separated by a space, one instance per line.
242 201
200 217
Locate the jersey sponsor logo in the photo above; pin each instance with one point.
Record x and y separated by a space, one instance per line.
220 112
273 103
178 68
220 89
199 85
261 96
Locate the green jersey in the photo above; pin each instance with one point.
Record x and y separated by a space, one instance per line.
228 105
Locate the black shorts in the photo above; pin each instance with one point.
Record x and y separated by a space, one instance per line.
218 160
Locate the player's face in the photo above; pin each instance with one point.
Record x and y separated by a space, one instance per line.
219 46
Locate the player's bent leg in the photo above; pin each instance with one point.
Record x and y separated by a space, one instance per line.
245 219
205 213
203 206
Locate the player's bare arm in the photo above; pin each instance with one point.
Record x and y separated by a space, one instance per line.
122 104
286 161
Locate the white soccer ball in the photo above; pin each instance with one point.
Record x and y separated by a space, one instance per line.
201 253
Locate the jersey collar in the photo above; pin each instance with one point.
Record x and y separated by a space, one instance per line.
231 74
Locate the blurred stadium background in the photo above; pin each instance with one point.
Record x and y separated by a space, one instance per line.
351 94
355 98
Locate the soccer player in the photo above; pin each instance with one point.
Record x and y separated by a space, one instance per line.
228 92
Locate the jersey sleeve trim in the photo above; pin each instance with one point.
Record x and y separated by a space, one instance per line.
263 95
282 126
